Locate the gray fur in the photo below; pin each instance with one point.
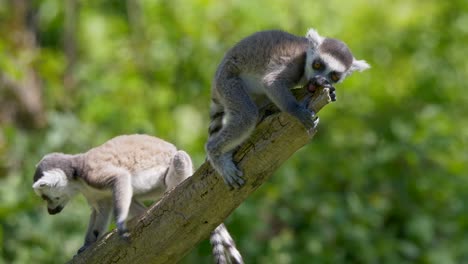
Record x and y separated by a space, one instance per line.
70 165
113 177
263 68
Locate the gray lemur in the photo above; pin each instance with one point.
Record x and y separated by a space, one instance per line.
263 68
115 177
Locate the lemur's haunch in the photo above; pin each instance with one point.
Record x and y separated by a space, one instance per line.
116 177
263 68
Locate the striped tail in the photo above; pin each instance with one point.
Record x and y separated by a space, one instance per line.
216 116
224 248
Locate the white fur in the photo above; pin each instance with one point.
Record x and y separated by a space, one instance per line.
55 185
147 180
314 38
332 63
51 178
309 72
181 169
359 65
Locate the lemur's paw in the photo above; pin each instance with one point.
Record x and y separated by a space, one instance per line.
232 176
123 232
332 92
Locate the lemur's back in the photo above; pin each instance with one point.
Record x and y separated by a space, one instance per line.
132 152
254 52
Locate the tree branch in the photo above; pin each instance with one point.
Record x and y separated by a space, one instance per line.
187 214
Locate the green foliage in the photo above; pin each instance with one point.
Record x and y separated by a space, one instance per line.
383 181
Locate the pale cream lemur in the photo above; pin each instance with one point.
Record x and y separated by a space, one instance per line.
263 68
116 177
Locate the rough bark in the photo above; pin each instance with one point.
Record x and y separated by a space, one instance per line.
187 214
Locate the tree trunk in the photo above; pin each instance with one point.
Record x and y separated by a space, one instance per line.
187 214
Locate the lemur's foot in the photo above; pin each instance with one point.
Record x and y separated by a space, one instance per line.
226 168
232 175
123 231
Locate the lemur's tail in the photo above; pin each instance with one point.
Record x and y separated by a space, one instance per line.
224 248
216 117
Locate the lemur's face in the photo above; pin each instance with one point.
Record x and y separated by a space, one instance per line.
328 62
53 188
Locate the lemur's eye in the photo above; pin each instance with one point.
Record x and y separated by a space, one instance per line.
334 76
316 65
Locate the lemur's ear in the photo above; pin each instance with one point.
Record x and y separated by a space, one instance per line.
358 65
314 38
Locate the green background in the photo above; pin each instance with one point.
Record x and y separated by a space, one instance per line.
383 181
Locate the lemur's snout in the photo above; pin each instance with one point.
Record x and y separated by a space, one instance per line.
55 210
319 81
